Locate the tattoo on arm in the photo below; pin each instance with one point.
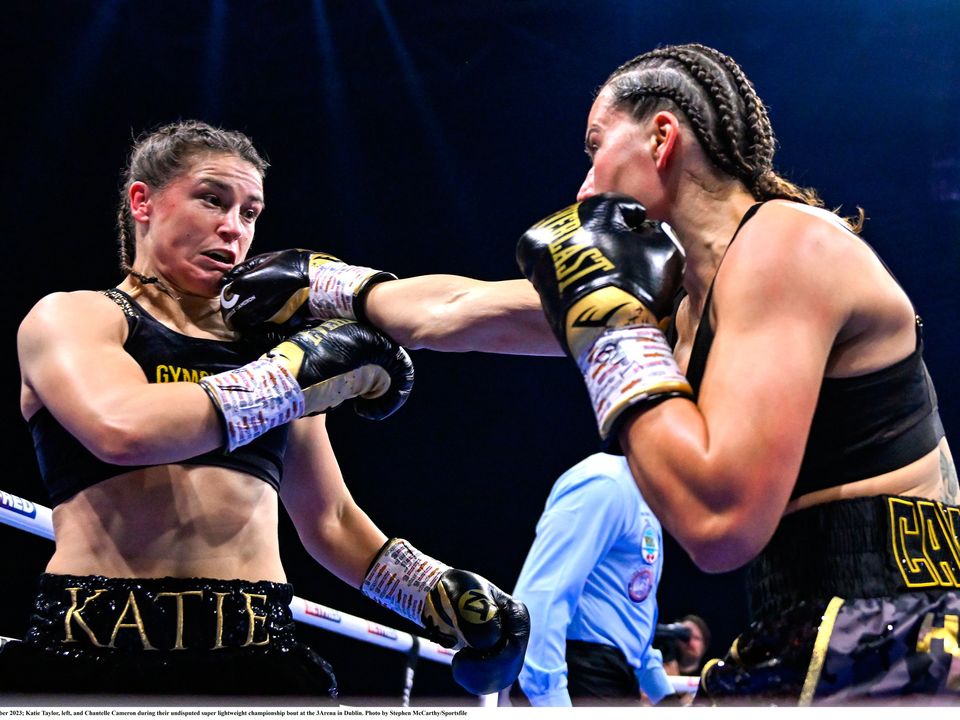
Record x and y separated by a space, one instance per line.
948 476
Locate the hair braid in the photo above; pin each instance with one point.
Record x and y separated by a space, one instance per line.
725 101
763 144
654 90
722 108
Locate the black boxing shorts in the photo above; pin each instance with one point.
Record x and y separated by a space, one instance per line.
854 600
183 636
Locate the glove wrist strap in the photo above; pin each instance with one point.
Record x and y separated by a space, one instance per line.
400 578
336 289
629 365
254 398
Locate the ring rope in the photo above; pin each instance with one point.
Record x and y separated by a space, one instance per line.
37 520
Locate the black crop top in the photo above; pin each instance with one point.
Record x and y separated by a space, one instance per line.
67 467
862 426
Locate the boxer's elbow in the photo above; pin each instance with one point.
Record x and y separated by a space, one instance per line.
116 442
724 543
733 519
721 557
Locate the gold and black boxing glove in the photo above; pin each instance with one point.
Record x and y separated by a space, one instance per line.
285 291
607 278
312 371
459 609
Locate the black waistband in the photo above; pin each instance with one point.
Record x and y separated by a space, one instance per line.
865 547
166 614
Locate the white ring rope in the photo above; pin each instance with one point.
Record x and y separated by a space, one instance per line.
38 520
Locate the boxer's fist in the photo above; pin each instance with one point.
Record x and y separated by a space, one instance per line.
459 609
341 360
311 372
288 290
607 279
599 264
491 629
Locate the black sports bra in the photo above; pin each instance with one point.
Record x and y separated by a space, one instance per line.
863 426
67 467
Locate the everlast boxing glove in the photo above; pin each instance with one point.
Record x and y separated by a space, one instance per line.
606 278
459 609
311 372
291 289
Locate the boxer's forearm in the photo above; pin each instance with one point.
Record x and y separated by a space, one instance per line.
459 314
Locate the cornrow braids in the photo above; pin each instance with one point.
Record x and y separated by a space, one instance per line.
160 156
722 107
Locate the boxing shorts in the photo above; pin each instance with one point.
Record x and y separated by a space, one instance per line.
182 636
852 600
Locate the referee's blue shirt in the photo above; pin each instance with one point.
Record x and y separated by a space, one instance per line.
592 574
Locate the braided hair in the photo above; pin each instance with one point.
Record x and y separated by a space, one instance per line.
726 115
160 156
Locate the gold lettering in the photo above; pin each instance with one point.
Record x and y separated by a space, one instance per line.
947 634
178 645
137 623
939 543
253 619
169 373
906 534
76 615
561 253
607 265
580 253
599 263
952 514
218 642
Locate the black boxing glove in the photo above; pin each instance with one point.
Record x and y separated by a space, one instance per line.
607 278
459 609
290 289
310 372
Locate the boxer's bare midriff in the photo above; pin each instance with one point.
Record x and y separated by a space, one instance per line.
171 521
921 478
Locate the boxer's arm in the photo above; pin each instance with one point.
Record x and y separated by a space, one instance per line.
72 361
451 604
332 527
459 314
288 289
718 474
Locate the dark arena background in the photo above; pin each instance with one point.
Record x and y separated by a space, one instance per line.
425 137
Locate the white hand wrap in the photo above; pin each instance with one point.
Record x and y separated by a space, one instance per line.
628 365
254 398
334 286
401 577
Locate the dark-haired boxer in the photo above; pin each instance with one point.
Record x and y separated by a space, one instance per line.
166 441
789 421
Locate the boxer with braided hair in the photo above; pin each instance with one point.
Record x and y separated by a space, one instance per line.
721 105
763 373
